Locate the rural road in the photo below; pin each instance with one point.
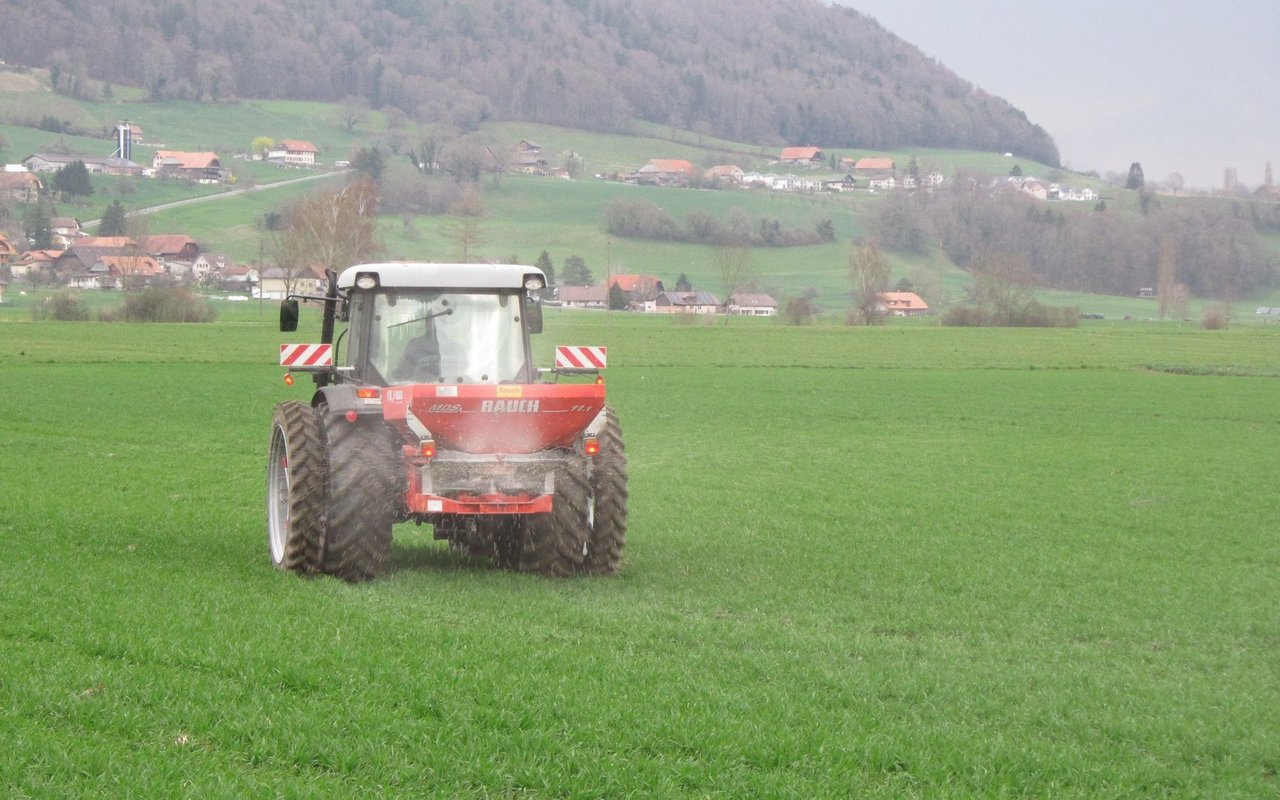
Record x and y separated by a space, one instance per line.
93 223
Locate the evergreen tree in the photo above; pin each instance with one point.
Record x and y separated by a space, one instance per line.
113 220
682 283
38 228
371 162
617 298
544 263
73 180
1135 180
576 272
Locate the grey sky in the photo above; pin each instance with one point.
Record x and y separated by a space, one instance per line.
1179 86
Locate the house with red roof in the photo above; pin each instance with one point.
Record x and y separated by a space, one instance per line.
873 168
664 172
901 304
38 261
638 288
169 247
802 156
195 166
293 153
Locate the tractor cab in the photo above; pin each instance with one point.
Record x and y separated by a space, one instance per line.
434 323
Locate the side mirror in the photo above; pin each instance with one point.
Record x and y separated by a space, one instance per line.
288 316
533 315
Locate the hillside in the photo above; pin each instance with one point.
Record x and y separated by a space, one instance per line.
525 215
757 71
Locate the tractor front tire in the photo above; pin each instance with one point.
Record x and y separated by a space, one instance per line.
364 497
295 489
607 501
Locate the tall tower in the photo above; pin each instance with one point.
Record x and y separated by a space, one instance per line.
124 141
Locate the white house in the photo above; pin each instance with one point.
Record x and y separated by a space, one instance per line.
293 153
686 303
743 304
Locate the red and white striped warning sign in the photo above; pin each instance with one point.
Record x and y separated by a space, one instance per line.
306 355
580 357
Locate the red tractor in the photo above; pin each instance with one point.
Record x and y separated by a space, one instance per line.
428 408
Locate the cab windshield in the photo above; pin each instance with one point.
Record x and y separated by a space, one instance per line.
428 336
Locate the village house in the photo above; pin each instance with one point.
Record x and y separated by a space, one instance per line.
746 304
802 157
206 264
64 231
293 153
24 187
684 303
901 304
1036 189
637 288
529 160
846 184
664 172
873 168
115 272
33 263
169 247
276 282
583 296
203 166
8 253
724 173
795 183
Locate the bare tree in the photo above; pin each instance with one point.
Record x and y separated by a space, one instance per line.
1003 286
1166 277
330 229
466 224
869 274
350 112
733 266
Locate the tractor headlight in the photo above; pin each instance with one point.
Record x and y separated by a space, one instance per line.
366 280
534 282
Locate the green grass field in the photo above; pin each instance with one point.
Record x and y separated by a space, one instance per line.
896 562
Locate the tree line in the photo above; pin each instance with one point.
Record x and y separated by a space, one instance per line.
1210 247
766 72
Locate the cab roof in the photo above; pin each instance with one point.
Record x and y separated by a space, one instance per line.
422 274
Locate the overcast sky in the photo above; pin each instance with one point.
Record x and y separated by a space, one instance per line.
1177 85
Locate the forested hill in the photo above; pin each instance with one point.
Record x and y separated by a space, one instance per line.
796 72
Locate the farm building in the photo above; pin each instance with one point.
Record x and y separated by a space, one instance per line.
902 304
744 304
583 296
684 303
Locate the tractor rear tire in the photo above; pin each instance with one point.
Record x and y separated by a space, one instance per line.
295 489
364 499
552 544
607 501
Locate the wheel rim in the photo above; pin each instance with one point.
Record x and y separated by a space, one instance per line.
278 496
